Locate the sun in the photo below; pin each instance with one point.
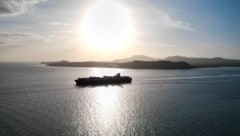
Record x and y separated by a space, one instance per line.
107 26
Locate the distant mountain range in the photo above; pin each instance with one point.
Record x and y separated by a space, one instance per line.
145 62
206 62
136 58
132 64
196 62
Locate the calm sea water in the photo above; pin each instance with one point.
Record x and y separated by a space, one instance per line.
39 100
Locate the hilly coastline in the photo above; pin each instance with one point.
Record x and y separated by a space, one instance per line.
133 64
206 62
136 57
145 62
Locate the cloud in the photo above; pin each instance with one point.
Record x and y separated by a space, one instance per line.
19 35
10 46
6 35
11 7
175 24
155 17
54 23
165 20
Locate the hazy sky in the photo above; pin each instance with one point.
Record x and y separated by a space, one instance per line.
36 30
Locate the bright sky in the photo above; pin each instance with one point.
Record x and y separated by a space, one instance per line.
77 30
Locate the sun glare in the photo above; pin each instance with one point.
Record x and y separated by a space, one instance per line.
107 26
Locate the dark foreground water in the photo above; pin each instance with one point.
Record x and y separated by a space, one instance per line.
39 100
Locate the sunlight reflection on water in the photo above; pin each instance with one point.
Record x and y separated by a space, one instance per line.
107 102
102 116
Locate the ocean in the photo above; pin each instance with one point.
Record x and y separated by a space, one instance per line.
37 100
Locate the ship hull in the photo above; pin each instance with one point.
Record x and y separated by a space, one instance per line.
103 81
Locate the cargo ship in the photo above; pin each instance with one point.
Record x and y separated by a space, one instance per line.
105 80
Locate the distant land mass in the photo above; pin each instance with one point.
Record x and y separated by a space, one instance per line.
132 64
145 62
136 58
206 62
